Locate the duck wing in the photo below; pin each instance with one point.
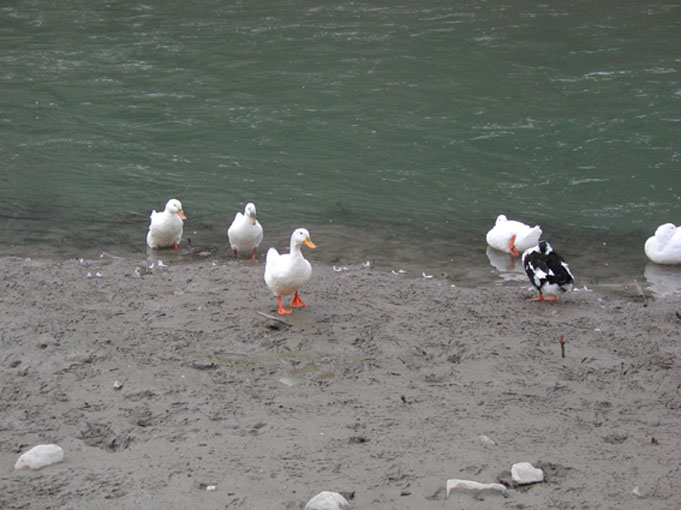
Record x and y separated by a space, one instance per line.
536 267
559 272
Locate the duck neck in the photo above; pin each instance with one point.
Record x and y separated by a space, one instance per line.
171 216
294 249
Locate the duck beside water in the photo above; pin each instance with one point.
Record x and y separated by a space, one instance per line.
245 232
165 227
665 246
286 273
512 236
547 271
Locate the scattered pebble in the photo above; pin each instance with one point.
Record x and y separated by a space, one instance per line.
117 385
327 501
289 381
40 456
486 440
524 473
340 269
211 488
367 264
470 485
427 275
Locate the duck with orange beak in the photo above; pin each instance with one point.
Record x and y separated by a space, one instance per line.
511 236
245 232
286 273
165 227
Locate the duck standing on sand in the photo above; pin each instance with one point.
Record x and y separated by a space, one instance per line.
547 271
286 273
665 246
512 236
165 228
245 233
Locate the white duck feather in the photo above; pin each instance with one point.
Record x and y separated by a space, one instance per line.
245 232
165 227
513 236
665 246
286 273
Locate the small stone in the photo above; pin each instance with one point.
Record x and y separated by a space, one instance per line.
289 381
469 485
117 385
524 473
211 488
327 501
486 440
40 456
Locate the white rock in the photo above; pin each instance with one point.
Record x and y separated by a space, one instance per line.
327 501
40 456
524 473
470 485
211 488
486 440
117 385
289 381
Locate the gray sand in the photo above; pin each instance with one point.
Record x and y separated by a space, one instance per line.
379 389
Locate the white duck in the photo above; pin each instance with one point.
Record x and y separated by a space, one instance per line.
165 228
665 246
245 233
512 236
286 273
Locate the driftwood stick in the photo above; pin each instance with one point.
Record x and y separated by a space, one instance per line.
272 317
562 347
640 291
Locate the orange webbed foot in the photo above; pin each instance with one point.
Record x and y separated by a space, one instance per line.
296 302
252 259
542 298
511 247
282 310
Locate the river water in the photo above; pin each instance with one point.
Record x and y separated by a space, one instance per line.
395 132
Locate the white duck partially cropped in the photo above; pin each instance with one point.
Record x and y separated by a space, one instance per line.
165 227
665 246
286 273
512 236
547 271
245 233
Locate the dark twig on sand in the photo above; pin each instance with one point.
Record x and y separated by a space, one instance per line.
272 317
640 291
562 347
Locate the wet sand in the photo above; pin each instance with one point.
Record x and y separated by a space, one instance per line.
380 389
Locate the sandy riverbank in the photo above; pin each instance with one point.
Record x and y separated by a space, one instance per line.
379 389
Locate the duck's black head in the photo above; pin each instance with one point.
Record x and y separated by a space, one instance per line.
544 247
